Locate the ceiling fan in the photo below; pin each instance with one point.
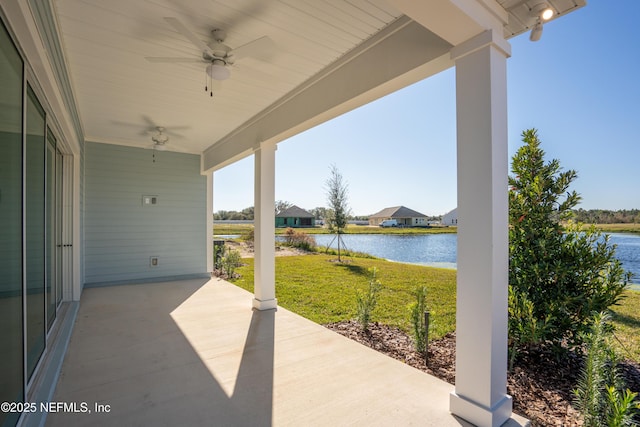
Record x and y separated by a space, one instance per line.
160 139
217 55
150 127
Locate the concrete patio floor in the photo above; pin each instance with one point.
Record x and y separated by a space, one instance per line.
193 353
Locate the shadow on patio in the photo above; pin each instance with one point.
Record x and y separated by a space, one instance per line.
194 353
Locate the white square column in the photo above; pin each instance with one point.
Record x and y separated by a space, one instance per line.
480 395
265 228
209 221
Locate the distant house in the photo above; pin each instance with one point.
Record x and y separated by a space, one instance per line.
450 218
404 216
295 217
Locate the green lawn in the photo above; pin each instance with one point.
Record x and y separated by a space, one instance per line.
351 229
626 318
325 291
619 228
232 229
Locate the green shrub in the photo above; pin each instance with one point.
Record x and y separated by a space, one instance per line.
622 407
599 396
558 274
525 329
419 328
249 236
218 256
367 301
230 262
299 239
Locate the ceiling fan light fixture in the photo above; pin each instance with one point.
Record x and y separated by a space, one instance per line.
217 70
160 138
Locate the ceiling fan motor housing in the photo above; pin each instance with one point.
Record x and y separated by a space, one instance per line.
219 51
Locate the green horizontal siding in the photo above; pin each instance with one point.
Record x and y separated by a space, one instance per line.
120 234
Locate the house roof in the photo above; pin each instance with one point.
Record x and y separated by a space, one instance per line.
452 212
398 212
294 212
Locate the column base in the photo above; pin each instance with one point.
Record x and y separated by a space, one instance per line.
269 304
478 414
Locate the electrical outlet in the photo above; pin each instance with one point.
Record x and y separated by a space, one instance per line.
154 261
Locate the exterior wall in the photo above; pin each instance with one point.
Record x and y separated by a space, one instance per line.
404 221
419 222
407 222
295 222
121 234
450 218
374 222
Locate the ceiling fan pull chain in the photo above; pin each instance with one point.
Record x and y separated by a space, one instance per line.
206 86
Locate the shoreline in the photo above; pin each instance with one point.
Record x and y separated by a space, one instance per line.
247 252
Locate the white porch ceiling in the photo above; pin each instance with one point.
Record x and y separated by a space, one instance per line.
120 94
331 56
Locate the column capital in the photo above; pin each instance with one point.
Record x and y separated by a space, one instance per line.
485 38
265 144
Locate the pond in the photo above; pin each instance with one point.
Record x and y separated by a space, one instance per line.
628 252
427 249
440 250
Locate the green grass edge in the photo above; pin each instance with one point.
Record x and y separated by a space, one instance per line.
322 290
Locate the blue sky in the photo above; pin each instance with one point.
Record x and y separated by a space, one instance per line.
579 86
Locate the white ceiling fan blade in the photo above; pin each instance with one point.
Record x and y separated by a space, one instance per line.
182 29
261 48
176 134
148 120
172 60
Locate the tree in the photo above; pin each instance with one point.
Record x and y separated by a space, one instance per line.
559 273
338 212
245 214
319 212
248 213
220 215
282 205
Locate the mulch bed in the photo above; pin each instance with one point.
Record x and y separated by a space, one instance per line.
540 385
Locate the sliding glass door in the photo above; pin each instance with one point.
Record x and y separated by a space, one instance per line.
59 207
35 231
11 288
54 244
50 237
31 228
